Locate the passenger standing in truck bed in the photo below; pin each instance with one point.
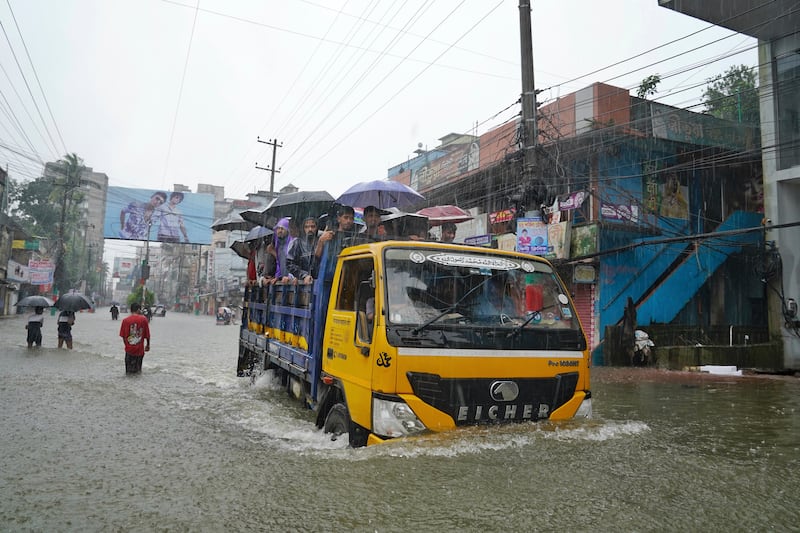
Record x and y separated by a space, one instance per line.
333 240
302 260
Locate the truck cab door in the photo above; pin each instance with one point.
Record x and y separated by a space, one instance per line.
347 348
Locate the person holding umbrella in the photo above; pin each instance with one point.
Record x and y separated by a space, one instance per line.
66 319
69 303
34 327
345 231
372 220
35 319
331 242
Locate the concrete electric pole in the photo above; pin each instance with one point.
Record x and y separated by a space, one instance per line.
530 132
275 145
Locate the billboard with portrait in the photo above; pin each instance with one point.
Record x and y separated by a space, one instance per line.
156 215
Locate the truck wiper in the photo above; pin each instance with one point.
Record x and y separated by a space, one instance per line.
446 311
514 332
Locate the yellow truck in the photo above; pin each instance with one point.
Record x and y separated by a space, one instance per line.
399 338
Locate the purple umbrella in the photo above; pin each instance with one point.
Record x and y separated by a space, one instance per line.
381 194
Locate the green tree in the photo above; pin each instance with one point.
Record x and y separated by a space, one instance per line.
136 296
648 87
48 208
33 206
733 95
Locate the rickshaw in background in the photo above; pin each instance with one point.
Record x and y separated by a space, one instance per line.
224 316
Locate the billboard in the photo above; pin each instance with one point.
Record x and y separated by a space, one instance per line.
123 268
154 215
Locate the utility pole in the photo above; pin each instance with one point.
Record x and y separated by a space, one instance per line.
275 145
60 275
146 265
530 132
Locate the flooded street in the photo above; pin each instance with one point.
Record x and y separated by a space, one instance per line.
187 446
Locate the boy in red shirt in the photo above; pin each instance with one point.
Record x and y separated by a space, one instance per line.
135 333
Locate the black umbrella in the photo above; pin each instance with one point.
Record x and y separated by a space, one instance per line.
241 248
35 301
299 205
73 301
232 222
254 215
258 232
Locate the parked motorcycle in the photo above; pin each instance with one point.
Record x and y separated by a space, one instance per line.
643 349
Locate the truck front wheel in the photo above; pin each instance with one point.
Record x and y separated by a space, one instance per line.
337 422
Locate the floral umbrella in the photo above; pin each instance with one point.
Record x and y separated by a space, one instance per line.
439 214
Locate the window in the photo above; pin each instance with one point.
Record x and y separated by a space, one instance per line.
787 75
354 272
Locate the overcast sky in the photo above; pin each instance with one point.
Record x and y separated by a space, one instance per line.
157 92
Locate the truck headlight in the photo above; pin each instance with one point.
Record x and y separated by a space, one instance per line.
394 418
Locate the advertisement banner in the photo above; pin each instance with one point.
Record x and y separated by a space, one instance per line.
41 272
531 236
445 169
558 240
505 215
148 214
17 272
123 268
584 240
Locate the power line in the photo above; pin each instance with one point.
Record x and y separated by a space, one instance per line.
180 96
386 102
36 75
25 79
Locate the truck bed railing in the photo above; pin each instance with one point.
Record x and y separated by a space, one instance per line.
278 324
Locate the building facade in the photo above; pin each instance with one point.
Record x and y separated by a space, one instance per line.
776 25
623 189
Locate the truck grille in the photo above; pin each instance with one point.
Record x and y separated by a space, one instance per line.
494 400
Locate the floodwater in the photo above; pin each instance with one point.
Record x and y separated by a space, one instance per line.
187 446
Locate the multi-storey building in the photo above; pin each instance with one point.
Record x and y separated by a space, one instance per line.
87 239
776 25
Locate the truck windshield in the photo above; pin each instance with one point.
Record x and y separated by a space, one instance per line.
443 290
